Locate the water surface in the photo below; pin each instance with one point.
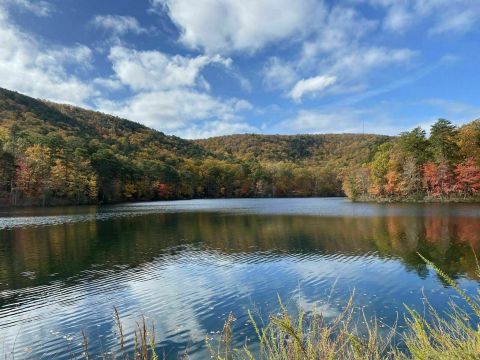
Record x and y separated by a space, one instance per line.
185 265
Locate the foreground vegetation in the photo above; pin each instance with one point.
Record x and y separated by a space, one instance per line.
435 336
59 154
443 167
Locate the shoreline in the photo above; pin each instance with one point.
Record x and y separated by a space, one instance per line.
4 207
419 201
52 206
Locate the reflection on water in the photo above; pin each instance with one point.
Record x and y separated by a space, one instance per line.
185 265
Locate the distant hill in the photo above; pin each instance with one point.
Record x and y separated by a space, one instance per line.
338 150
60 154
44 119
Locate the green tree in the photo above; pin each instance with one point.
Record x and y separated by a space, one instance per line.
415 144
379 168
7 170
443 141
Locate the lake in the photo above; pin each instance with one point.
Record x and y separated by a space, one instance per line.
185 265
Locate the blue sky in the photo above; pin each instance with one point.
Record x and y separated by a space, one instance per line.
199 68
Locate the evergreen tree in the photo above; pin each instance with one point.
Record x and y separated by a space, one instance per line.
443 141
415 144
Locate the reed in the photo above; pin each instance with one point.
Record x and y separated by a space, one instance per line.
288 337
454 334
144 345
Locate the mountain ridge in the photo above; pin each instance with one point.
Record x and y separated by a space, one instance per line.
55 154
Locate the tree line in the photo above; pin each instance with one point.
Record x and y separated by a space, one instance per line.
52 154
58 154
55 172
444 166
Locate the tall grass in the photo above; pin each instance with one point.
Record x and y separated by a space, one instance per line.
454 334
288 337
143 342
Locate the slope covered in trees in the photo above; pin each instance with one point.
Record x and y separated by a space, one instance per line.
297 165
333 150
60 154
413 167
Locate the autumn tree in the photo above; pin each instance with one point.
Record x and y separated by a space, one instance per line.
469 140
411 178
380 167
410 167
468 178
439 180
356 184
33 172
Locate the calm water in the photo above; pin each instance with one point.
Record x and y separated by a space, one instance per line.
186 264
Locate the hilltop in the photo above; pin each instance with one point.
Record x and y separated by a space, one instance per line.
338 150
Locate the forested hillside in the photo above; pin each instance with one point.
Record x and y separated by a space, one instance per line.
59 154
298 165
337 150
413 167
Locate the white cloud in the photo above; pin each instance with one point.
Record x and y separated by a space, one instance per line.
341 45
460 22
79 55
40 70
153 70
118 25
184 112
331 39
217 128
170 94
350 69
311 85
231 25
320 122
242 105
108 83
340 28
398 18
339 49
37 7
389 118
444 16
348 120
357 61
278 74
458 111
